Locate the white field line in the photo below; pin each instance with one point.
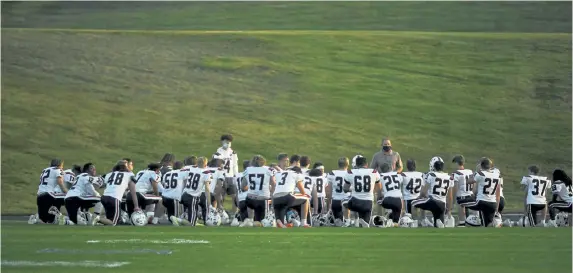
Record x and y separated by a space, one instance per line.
172 241
65 264
299 32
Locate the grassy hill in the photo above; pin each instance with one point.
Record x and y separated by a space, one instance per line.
99 81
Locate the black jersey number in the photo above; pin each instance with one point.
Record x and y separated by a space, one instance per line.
283 178
392 182
441 187
362 183
44 176
170 180
490 186
339 180
414 185
537 185
193 181
253 183
115 178
319 185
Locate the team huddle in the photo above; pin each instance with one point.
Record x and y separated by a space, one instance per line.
291 193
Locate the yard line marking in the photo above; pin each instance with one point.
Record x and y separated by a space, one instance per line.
172 241
109 251
503 35
64 263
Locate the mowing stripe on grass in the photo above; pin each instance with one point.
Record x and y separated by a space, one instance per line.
64 263
503 35
172 241
107 251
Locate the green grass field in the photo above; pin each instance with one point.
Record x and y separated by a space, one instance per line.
100 81
310 250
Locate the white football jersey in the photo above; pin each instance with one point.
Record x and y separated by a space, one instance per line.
411 184
320 183
362 182
217 175
195 184
173 183
117 183
288 179
49 180
563 191
144 178
496 170
84 186
241 195
461 178
336 180
439 185
230 159
69 178
487 183
391 184
259 180
536 188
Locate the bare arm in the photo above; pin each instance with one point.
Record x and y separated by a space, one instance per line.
154 186
399 166
60 181
273 185
328 195
133 193
314 200
497 197
300 187
208 196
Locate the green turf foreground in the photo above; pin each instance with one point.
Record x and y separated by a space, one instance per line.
331 250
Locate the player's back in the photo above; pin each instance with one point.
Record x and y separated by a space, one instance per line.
461 178
336 180
362 182
83 186
195 181
487 184
563 191
173 182
117 182
440 184
319 182
144 178
411 184
49 179
259 179
391 182
536 188
287 180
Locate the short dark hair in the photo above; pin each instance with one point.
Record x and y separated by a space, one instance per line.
294 158
167 159
127 159
459 159
439 166
304 160
315 172
227 137
361 161
317 164
411 165
153 166
486 163
55 162
121 166
282 156
215 163
246 164
534 169
177 165
385 167
86 167
190 160
77 169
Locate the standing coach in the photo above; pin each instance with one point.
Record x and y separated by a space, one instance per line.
388 156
